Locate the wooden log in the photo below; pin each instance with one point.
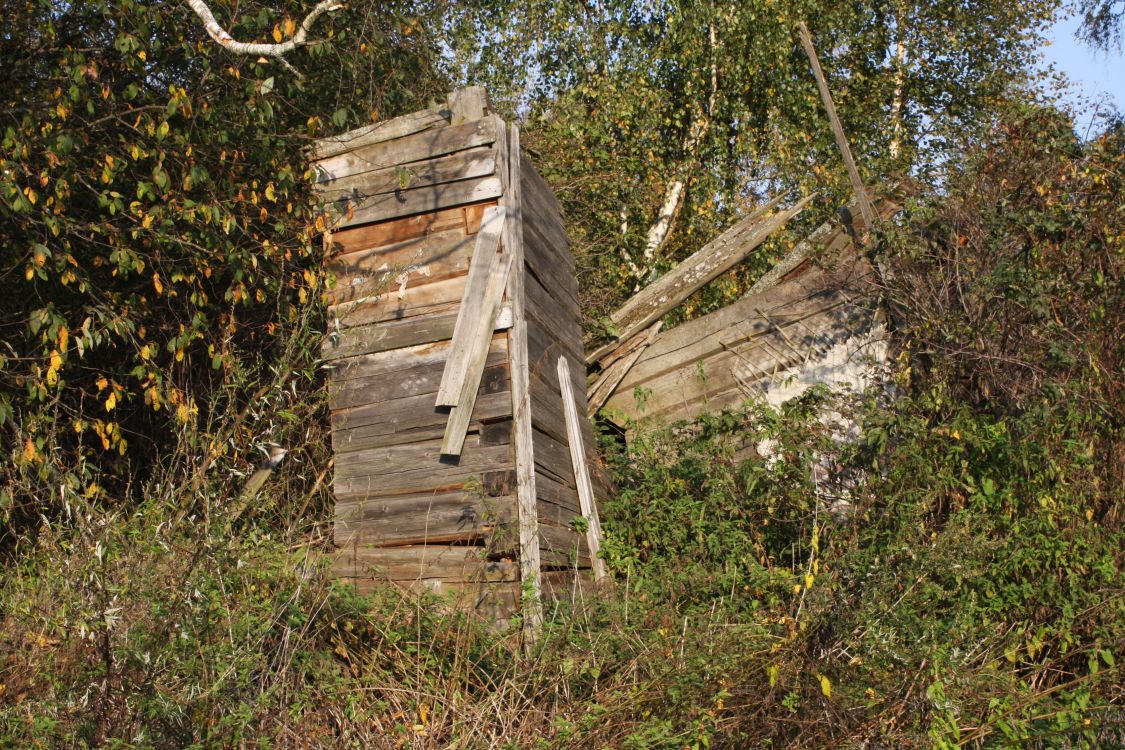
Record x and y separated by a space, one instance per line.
387 130
716 257
416 201
865 208
529 557
585 487
386 233
463 165
472 308
428 144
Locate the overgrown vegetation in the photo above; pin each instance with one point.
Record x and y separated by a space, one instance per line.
953 578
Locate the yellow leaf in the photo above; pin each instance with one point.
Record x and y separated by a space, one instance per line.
772 672
270 194
29 274
146 222
156 284
320 226
179 355
290 27
111 401
277 33
809 580
31 195
102 383
825 685
29 452
142 55
63 338
182 412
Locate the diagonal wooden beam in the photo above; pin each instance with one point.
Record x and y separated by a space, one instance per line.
712 260
470 315
865 208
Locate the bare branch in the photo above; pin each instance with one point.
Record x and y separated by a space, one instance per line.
276 51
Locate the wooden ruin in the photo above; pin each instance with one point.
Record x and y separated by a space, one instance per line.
461 455
814 318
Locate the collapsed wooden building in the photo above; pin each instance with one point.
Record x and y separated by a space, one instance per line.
461 429
814 318
458 383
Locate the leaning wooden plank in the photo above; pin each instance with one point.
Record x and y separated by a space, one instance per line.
460 415
521 395
425 145
379 132
416 201
472 309
582 473
619 363
715 258
463 165
861 197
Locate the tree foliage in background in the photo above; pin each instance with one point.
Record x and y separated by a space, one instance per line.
157 229
692 112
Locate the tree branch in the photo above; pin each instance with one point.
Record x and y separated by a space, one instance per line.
276 51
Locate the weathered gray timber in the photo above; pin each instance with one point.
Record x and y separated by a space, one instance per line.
454 299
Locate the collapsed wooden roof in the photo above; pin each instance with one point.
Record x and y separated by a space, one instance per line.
799 315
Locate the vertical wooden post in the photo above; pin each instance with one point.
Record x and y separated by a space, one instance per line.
866 210
519 364
586 501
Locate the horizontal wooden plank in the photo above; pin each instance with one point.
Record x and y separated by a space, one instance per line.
561 316
533 184
420 562
384 233
428 144
410 372
463 165
425 298
414 468
427 517
386 130
379 337
415 381
415 201
387 270
413 420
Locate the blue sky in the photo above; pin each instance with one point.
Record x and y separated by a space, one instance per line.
1096 75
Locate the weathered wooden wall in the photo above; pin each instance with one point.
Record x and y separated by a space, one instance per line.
408 197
